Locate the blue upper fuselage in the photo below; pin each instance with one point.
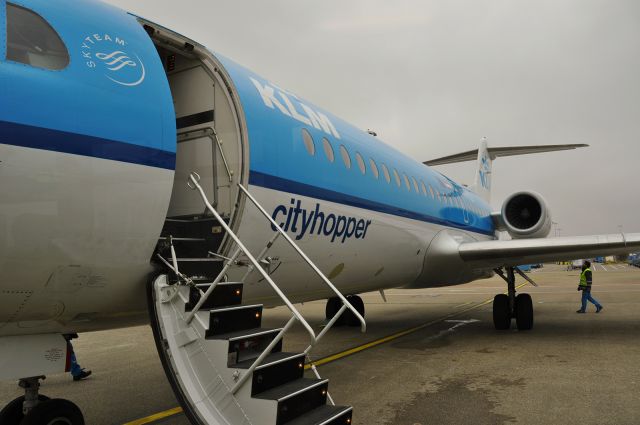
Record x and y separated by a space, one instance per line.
112 101
281 160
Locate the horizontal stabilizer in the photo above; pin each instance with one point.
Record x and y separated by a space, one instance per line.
505 151
496 253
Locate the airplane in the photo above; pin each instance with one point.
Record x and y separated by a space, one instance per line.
147 179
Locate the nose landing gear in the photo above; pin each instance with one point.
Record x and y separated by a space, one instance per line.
36 409
349 319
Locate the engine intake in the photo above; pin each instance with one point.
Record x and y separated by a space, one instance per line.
525 215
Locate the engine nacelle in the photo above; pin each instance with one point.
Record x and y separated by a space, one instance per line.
524 215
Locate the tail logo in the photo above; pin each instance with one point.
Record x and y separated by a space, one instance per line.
111 55
484 173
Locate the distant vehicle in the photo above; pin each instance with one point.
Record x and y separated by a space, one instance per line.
525 267
599 260
575 264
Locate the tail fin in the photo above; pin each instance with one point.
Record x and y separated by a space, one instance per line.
485 156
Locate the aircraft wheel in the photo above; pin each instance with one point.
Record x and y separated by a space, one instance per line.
12 412
333 305
524 312
54 412
358 304
501 313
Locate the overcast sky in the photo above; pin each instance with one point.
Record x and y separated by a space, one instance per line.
434 77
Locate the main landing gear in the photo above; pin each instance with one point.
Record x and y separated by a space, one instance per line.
348 318
36 409
509 306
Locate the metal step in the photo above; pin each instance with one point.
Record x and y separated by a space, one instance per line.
186 228
232 319
186 247
206 266
297 397
248 344
225 294
276 369
325 415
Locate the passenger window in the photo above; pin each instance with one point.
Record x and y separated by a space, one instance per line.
406 182
308 142
424 188
374 167
397 176
32 41
415 184
328 149
360 161
385 171
431 191
345 156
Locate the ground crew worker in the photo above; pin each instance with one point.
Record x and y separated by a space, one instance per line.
77 372
586 278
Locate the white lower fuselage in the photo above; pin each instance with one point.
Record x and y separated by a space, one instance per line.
77 235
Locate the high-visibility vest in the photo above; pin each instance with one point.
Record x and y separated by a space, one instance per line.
583 277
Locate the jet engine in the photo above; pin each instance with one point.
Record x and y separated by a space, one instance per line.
524 215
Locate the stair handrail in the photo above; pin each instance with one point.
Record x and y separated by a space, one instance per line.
193 184
363 324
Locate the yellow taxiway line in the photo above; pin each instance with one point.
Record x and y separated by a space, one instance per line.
340 355
156 417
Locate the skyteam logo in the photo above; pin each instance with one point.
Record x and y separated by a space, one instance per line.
112 55
301 221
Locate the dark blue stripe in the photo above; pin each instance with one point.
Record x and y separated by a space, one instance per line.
80 144
277 183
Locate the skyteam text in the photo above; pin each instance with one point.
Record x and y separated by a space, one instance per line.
301 222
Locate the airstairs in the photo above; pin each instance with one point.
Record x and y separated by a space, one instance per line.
224 367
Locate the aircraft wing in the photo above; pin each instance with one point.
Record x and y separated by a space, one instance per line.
492 254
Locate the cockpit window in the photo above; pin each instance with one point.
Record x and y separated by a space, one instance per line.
32 41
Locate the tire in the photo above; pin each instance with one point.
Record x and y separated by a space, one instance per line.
54 412
12 412
524 312
350 318
333 305
501 313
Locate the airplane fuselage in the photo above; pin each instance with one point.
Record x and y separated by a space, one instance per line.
90 169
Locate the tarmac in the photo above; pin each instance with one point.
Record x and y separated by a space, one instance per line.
449 367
